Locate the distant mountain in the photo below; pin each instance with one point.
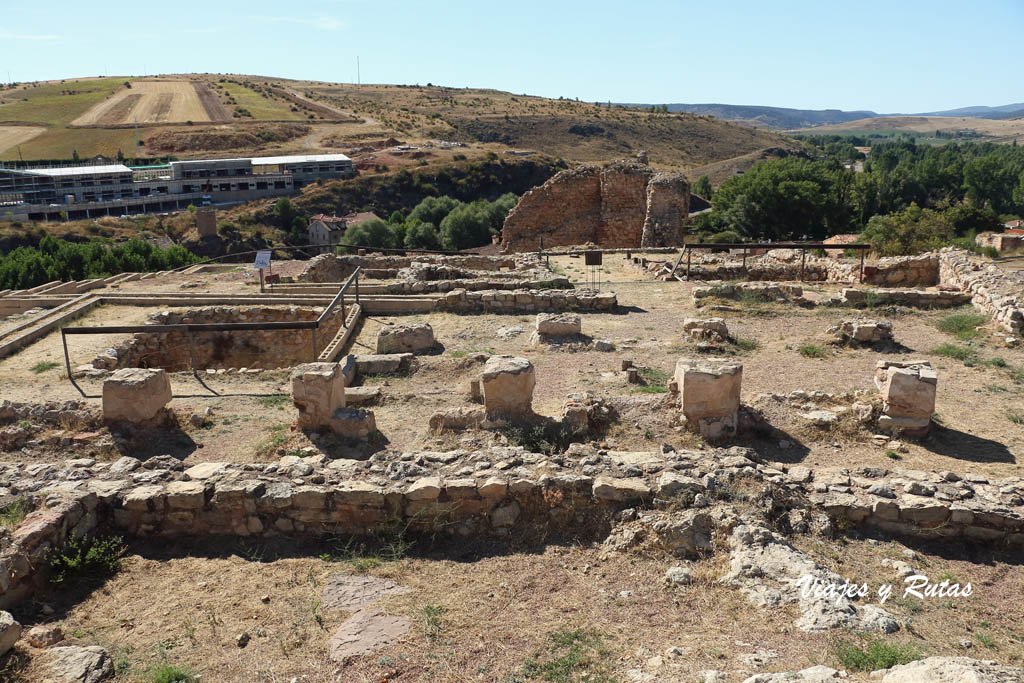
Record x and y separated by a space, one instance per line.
770 117
982 112
789 119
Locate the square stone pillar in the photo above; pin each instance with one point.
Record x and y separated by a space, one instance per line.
135 394
709 394
508 384
908 398
318 390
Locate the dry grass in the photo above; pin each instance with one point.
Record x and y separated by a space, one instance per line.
151 101
11 136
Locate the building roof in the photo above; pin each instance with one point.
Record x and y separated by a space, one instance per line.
330 222
79 170
297 159
360 217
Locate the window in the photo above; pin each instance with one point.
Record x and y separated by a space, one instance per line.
261 184
225 187
279 185
243 186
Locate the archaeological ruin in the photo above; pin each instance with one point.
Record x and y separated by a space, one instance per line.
680 444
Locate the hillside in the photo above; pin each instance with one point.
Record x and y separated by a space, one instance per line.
191 115
771 117
987 130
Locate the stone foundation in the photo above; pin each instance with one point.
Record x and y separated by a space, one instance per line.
318 390
992 290
527 301
405 338
860 331
711 329
255 349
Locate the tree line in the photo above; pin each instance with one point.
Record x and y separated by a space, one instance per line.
57 259
956 189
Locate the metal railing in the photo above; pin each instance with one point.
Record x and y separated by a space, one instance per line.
190 328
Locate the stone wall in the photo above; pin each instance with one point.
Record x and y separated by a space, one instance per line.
317 497
331 268
527 301
606 206
999 293
256 349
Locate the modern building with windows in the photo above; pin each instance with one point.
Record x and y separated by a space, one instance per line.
76 192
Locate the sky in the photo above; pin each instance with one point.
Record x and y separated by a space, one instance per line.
896 56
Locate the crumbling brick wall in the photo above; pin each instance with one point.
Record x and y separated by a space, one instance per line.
606 206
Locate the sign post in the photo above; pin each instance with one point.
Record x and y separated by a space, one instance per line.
261 263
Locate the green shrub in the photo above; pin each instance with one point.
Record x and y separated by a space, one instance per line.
744 344
955 352
572 655
962 325
58 259
811 351
12 514
547 437
43 366
85 558
169 673
878 655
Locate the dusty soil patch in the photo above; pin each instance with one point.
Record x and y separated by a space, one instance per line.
11 136
156 101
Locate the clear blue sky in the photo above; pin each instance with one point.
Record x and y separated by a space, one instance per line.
888 56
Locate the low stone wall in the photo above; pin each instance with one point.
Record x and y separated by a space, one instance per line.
258 348
24 552
527 301
787 264
917 298
331 268
576 493
996 292
474 285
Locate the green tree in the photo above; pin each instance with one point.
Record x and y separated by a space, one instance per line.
285 212
466 226
371 233
703 187
419 235
911 231
433 209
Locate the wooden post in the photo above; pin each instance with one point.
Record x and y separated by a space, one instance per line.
862 266
744 259
689 253
803 258
261 281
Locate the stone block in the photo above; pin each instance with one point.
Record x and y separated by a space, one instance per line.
405 338
354 423
382 363
710 329
318 391
709 392
135 394
558 324
10 631
508 384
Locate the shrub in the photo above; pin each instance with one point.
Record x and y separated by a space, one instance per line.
548 437
85 558
955 352
12 514
962 325
43 366
878 655
169 673
811 351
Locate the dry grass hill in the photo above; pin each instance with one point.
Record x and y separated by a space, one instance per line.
190 115
988 130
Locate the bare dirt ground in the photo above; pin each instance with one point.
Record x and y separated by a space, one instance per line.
153 101
976 406
490 612
505 612
11 136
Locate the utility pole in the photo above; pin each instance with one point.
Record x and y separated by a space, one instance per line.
359 78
